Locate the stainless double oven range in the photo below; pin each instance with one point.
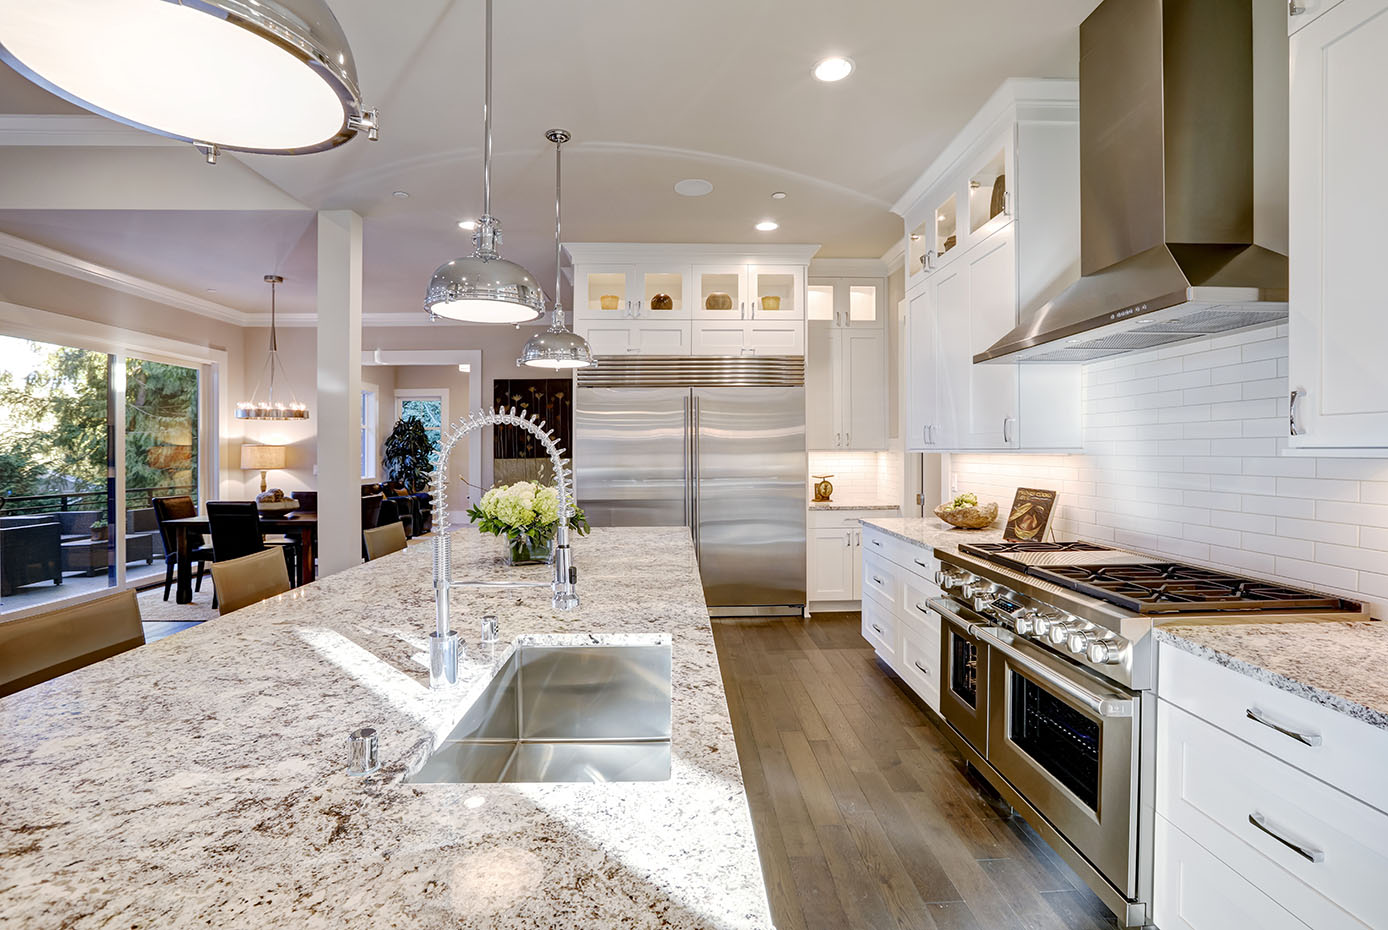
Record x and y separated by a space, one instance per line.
1048 684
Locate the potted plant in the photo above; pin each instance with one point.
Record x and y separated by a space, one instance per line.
527 514
407 452
100 529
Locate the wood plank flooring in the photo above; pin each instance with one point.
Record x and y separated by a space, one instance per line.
864 814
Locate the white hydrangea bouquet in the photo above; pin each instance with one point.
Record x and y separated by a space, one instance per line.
527 514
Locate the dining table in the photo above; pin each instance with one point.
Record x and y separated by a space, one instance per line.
301 526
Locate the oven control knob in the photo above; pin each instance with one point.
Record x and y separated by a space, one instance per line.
1079 641
1024 621
1105 652
1041 624
953 580
1059 632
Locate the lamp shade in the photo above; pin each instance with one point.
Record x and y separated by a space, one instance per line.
261 458
273 76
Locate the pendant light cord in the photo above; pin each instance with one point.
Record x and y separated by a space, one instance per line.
558 274
487 123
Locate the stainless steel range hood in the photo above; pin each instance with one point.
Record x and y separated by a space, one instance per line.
1167 247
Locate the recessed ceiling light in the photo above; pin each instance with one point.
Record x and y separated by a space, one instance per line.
833 69
693 187
915 237
767 225
467 224
942 218
400 194
465 368
778 195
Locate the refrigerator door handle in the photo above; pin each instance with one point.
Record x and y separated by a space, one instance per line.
688 466
694 483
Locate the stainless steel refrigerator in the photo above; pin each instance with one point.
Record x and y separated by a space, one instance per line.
715 444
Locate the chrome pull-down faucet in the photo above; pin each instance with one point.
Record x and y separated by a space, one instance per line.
444 646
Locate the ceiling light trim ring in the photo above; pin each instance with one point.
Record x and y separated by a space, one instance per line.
315 51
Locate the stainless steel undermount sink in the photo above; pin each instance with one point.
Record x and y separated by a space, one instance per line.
586 713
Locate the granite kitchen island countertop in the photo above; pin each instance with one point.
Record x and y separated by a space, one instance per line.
200 780
1336 664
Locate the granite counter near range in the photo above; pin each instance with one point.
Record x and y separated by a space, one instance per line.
200 780
930 532
1340 665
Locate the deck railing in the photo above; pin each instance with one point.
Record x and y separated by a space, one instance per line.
15 505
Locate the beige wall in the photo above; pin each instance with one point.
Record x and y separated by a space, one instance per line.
298 350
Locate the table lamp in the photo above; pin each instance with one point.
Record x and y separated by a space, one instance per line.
262 459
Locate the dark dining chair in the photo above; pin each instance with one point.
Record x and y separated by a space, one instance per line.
236 532
176 508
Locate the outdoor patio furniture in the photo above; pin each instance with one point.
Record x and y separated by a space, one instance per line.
144 520
30 552
35 649
92 556
77 524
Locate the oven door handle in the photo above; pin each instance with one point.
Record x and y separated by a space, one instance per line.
943 607
1101 704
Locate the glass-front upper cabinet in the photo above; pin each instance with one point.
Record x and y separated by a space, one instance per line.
854 302
990 191
605 291
776 291
662 292
946 227
821 303
720 292
919 245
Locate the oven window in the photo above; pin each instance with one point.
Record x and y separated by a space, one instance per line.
963 669
1057 737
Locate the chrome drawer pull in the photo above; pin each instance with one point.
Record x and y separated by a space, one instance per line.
920 563
877 542
1309 853
923 670
1309 739
876 579
877 628
923 609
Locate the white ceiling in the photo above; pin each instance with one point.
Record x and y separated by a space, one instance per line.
652 92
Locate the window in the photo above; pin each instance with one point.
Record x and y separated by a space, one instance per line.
369 419
429 406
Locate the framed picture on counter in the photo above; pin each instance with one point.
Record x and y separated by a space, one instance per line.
1030 515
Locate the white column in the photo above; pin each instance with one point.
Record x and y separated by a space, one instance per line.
339 390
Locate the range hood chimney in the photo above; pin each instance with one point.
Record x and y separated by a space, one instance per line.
1167 247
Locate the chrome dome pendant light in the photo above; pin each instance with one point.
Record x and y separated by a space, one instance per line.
270 409
484 287
556 347
269 76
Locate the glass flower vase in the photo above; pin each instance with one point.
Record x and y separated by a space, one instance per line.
519 552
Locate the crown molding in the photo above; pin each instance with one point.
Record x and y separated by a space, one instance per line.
41 256
847 268
895 257
586 253
74 129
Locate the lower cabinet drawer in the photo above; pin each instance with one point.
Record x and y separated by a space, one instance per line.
1192 890
879 627
1318 851
916 596
919 661
1334 747
883 579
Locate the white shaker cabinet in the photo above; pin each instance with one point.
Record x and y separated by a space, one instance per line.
834 571
846 364
1338 331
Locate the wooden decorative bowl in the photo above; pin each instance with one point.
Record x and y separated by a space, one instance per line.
979 517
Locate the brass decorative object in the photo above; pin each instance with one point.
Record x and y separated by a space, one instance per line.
609 301
771 302
662 302
823 490
717 300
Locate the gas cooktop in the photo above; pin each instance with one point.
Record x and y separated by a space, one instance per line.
1170 587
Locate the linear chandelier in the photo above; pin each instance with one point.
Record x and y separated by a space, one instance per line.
271 409
269 76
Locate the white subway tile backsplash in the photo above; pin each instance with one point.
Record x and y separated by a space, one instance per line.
1183 459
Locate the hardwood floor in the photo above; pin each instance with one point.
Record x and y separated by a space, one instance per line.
863 812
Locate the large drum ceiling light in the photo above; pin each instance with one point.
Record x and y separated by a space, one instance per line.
273 76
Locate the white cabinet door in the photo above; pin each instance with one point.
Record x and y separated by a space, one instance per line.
922 398
777 292
719 338
605 292
1339 132
723 286
949 308
664 337
822 402
1301 13
775 336
662 292
832 565
862 355
989 419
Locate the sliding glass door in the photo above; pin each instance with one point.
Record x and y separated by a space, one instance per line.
72 521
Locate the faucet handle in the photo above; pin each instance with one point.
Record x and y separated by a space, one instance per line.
491 628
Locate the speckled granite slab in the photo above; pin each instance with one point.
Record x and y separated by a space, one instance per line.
834 505
200 780
930 532
1340 665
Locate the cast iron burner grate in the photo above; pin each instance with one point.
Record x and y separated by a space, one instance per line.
1170 587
